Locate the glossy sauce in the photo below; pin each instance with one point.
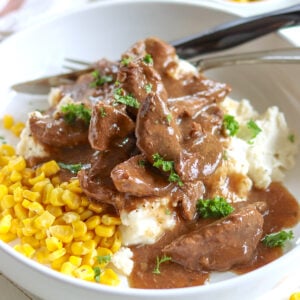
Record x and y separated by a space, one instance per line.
282 212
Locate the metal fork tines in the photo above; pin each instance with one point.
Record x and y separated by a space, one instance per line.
76 64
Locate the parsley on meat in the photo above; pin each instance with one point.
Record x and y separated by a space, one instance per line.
291 138
148 59
73 112
230 125
214 208
148 88
102 112
100 80
159 261
126 60
277 239
128 100
166 166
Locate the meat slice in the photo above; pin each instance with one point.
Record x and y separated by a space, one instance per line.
221 245
156 130
56 132
108 125
137 178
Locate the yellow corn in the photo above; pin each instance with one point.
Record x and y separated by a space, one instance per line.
110 220
55 222
5 224
49 168
295 296
17 128
53 243
62 232
105 231
84 272
8 121
93 222
109 277
79 228
67 268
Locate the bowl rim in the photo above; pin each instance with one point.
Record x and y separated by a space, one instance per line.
55 275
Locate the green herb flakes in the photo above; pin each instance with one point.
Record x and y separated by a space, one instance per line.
128 100
73 112
159 261
214 208
100 80
148 59
277 239
230 125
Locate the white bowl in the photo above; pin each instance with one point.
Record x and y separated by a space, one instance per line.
106 29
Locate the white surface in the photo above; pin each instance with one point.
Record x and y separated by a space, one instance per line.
43 50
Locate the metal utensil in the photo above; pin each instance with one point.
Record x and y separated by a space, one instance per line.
216 39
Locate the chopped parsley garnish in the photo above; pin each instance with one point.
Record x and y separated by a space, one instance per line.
159 261
100 80
214 208
73 168
167 212
230 125
128 100
103 259
148 59
148 88
277 239
169 118
225 155
254 128
97 273
166 166
73 112
291 138
126 60
102 112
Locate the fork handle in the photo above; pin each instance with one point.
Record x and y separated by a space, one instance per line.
236 32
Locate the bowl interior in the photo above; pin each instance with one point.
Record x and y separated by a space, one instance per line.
106 30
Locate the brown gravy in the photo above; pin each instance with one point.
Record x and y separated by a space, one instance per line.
282 212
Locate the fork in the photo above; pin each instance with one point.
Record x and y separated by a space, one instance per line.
216 39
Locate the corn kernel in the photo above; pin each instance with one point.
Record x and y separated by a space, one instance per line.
55 197
84 272
86 214
71 217
96 208
41 235
33 242
57 254
57 263
78 248
14 186
74 186
18 194
55 181
44 221
90 235
71 199
8 121
25 249
50 168
79 229
37 178
105 231
20 211
17 128
7 150
75 260
53 243
89 259
15 176
62 232
295 296
39 186
92 222
109 277
36 207
3 190
8 237
109 220
17 164
7 202
5 224
67 268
